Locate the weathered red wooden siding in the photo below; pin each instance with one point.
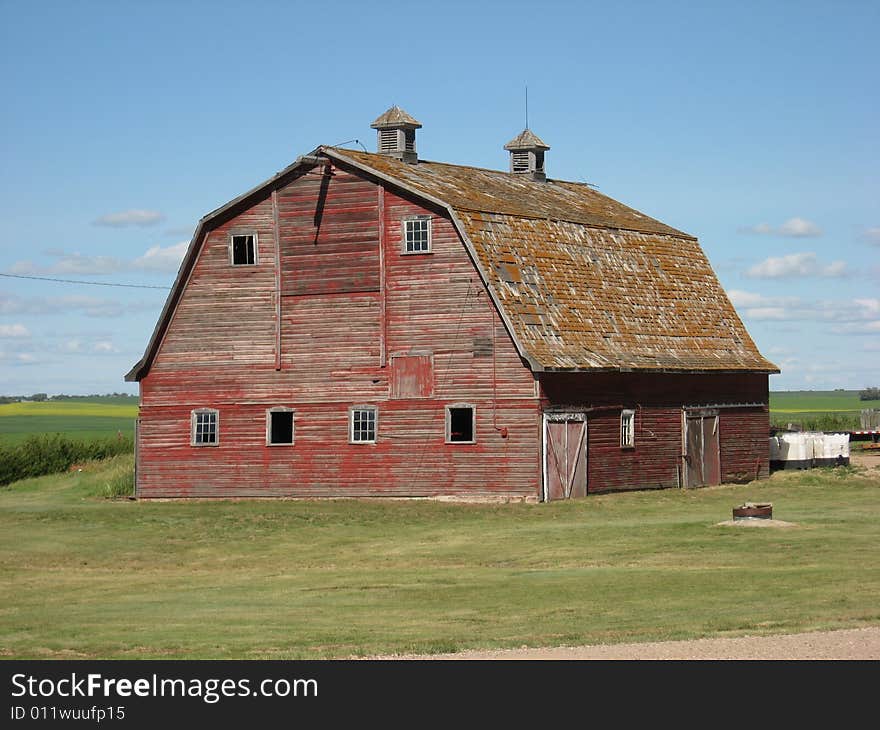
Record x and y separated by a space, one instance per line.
744 444
226 312
336 351
658 400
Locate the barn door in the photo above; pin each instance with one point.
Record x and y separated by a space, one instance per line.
702 449
565 455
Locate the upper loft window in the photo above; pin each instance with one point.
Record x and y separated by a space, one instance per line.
627 429
243 249
417 234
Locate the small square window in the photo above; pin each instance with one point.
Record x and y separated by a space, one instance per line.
279 427
627 429
243 249
205 427
417 235
362 425
461 424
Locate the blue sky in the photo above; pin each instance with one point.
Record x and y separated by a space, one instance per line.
752 125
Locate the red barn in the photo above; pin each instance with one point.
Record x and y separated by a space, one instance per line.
372 324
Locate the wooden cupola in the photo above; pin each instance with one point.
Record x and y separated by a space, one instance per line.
397 134
527 155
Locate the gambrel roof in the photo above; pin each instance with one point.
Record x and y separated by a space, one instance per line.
581 281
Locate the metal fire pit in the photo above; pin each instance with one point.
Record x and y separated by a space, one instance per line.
754 511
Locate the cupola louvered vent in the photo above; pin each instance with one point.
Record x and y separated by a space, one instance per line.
527 155
387 140
520 161
397 134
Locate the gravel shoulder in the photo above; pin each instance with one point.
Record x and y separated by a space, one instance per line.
843 644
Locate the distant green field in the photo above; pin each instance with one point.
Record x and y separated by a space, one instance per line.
824 401
819 409
87 418
81 419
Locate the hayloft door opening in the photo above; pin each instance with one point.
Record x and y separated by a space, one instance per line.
702 449
565 455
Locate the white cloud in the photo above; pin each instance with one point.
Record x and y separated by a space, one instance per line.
872 235
90 306
129 218
104 346
853 316
792 228
796 265
799 228
71 346
79 304
159 258
14 330
70 263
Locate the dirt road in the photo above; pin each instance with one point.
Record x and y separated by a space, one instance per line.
845 644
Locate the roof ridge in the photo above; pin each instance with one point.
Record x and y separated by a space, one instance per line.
469 167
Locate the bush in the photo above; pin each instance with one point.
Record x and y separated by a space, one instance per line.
869 394
50 454
827 422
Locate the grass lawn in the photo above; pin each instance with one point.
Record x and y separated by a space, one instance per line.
79 419
87 577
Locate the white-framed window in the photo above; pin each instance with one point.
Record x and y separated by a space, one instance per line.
627 429
205 427
243 248
362 424
279 426
461 424
417 234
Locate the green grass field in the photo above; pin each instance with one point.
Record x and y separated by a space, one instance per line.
819 410
82 419
88 577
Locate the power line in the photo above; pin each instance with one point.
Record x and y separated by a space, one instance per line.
76 281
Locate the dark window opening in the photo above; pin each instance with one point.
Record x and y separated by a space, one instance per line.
461 425
281 427
243 250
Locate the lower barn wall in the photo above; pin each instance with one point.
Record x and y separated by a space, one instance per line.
410 458
659 400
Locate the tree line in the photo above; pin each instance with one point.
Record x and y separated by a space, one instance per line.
41 397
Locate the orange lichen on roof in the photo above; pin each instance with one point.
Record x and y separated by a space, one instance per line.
583 281
491 191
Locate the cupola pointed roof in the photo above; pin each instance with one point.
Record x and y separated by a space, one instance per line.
396 117
527 140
